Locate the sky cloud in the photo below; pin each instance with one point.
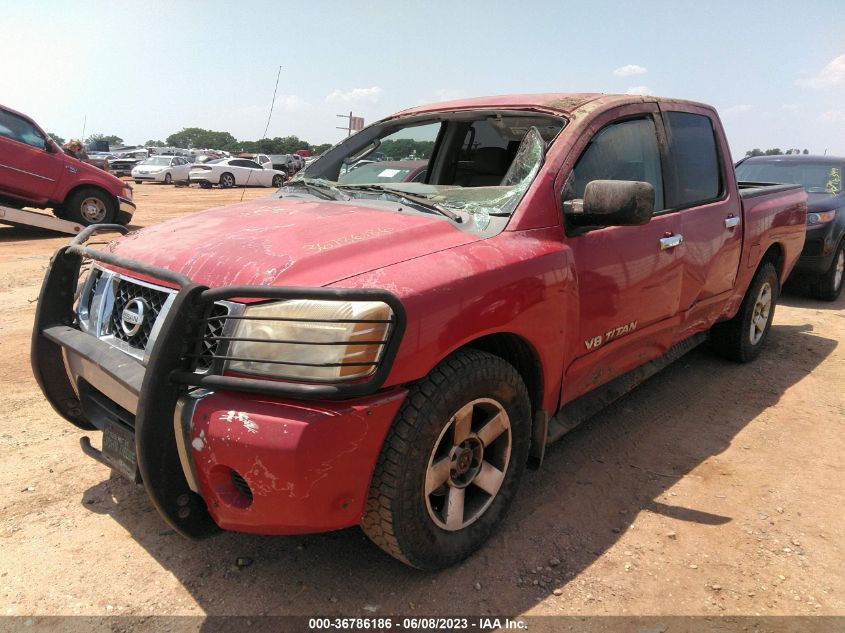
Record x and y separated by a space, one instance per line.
356 95
831 75
630 69
738 109
789 107
834 116
639 90
291 103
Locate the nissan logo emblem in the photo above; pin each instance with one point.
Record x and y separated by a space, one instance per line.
133 315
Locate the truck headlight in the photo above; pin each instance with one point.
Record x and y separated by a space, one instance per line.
311 340
820 218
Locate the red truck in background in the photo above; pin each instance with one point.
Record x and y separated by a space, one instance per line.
35 172
394 354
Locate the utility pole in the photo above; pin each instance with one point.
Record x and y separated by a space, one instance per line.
354 123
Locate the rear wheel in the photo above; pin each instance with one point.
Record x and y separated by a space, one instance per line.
227 181
451 462
829 284
90 206
742 338
138 182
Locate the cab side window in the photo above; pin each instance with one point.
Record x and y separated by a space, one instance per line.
626 150
18 129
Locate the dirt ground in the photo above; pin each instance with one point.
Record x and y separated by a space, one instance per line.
713 489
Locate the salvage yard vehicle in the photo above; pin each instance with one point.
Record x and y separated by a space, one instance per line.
821 266
124 161
236 172
164 169
394 355
35 172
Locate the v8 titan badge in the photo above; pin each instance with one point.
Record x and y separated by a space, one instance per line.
601 339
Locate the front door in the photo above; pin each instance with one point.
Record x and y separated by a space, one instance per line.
629 277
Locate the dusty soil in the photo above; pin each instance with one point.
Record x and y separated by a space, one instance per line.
714 488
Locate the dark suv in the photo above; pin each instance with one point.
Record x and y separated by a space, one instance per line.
822 263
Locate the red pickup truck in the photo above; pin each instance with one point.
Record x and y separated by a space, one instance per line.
394 354
35 172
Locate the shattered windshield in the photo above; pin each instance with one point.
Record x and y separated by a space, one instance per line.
470 167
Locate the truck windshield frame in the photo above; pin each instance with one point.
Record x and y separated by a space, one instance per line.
480 164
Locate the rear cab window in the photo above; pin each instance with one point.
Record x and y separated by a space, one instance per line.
697 170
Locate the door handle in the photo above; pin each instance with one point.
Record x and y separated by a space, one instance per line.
731 221
671 241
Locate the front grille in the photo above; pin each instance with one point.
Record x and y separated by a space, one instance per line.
210 341
124 292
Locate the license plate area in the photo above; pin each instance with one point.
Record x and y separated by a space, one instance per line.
119 450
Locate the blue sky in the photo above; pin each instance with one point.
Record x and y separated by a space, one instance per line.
145 69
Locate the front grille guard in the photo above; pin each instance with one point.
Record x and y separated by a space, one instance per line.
195 315
169 370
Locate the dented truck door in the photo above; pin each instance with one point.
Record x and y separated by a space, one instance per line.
629 277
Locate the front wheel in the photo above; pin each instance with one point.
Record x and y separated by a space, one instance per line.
451 463
138 182
742 338
829 284
278 179
90 206
168 179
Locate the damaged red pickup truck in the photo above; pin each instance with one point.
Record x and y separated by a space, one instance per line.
393 354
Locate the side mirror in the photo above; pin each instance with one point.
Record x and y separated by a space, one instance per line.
612 203
50 147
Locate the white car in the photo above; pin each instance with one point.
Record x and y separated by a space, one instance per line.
164 169
236 172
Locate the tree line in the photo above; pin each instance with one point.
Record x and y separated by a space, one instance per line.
209 139
776 151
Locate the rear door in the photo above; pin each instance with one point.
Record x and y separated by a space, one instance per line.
629 277
27 170
701 191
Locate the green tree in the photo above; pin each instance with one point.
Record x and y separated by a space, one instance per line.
111 139
60 140
155 144
774 152
319 149
805 152
201 138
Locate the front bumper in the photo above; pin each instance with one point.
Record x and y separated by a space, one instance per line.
212 456
819 248
126 209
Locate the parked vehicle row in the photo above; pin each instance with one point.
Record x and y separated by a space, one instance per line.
400 351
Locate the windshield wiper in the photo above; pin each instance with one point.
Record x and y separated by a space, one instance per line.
408 198
324 192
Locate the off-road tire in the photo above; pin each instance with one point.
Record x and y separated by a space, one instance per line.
733 339
227 180
396 517
80 207
828 286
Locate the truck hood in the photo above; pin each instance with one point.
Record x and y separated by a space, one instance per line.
289 242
